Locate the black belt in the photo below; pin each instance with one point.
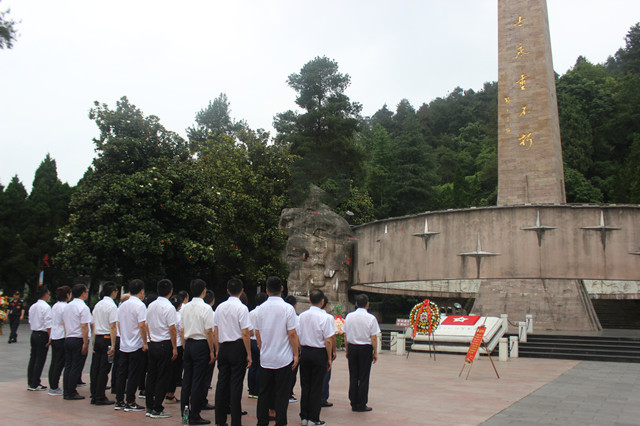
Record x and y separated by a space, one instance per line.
231 342
39 331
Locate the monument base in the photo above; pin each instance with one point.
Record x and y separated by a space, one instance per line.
555 304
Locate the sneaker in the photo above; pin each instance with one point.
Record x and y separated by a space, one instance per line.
319 422
119 406
142 394
293 399
55 392
253 396
304 422
133 407
36 388
159 415
148 413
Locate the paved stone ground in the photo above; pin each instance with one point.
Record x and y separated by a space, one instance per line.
414 391
592 393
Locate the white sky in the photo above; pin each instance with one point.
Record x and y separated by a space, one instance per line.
170 58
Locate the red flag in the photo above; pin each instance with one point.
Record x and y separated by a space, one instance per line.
46 260
461 320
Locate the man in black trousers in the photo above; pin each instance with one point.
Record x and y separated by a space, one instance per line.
132 322
40 323
105 316
161 320
233 345
76 318
16 314
197 338
360 330
276 323
316 332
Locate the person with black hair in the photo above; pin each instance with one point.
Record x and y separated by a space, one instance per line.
278 342
40 323
197 338
161 321
253 377
232 342
16 314
176 364
132 323
360 331
63 295
316 332
77 320
104 342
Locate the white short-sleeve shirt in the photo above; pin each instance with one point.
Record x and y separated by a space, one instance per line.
75 314
274 320
105 313
40 316
232 316
57 324
197 318
315 327
359 326
160 316
130 314
252 317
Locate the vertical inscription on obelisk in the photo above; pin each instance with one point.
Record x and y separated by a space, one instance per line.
530 166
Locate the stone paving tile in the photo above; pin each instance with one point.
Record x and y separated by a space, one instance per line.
414 391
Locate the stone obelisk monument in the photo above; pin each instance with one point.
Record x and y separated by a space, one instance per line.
530 166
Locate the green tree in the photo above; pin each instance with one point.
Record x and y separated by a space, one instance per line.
324 135
16 267
214 119
143 210
8 31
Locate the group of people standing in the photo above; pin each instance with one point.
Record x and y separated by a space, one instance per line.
167 336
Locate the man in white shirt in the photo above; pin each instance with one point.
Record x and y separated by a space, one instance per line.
253 377
77 318
40 323
161 320
278 341
316 332
327 377
360 330
105 316
197 339
63 295
232 342
132 317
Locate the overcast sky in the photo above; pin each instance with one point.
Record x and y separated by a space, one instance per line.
171 58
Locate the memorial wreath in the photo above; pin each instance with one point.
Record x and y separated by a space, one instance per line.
425 317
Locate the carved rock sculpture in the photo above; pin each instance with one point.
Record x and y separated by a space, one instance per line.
319 251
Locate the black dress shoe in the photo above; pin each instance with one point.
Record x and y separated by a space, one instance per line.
73 397
362 410
326 404
104 402
199 421
208 406
244 413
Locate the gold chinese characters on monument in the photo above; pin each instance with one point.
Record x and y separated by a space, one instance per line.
525 140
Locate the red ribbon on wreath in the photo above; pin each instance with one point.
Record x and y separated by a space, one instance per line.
415 325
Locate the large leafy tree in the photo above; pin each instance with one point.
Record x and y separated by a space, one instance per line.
251 178
143 210
323 136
